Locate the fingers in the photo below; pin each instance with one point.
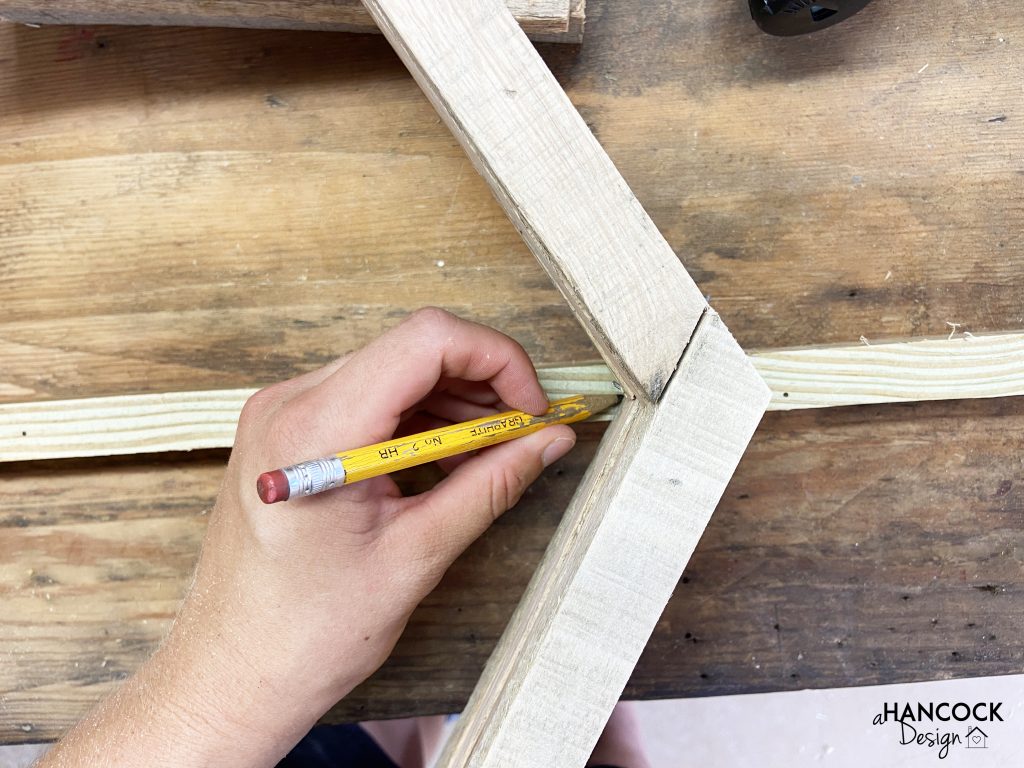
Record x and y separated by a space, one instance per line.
364 399
420 422
450 517
474 391
454 409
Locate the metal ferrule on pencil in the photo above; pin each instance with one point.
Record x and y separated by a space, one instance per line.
311 477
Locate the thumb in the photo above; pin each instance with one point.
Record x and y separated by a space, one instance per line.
451 516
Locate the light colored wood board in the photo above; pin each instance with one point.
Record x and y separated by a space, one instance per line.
183 421
548 20
587 614
555 182
927 369
111 426
812 377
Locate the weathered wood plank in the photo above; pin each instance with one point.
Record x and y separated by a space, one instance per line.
225 167
553 20
554 180
880 540
242 279
844 231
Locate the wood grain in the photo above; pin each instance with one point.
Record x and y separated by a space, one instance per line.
213 229
570 647
553 20
879 540
816 377
185 421
241 279
554 180
925 369
268 190
551 684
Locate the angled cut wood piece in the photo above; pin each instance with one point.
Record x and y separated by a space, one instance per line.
563 661
569 649
551 20
555 182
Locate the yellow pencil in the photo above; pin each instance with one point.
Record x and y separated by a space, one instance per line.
312 477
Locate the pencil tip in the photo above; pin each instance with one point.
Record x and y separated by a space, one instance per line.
273 486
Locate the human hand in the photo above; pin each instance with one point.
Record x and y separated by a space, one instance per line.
295 604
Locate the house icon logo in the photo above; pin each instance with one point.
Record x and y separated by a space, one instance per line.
976 738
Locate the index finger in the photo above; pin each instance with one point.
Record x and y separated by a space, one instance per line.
363 401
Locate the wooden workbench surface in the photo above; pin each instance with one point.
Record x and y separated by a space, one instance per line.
193 209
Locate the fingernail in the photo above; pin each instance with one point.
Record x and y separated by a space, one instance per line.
556 449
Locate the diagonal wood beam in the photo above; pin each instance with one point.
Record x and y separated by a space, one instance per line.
607 575
555 182
565 657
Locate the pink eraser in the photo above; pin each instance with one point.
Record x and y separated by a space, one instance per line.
273 486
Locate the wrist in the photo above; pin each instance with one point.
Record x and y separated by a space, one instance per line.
185 708
231 697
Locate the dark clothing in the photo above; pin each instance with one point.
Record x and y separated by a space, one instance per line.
337 746
342 746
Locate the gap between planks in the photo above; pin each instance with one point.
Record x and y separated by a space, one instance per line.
813 377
